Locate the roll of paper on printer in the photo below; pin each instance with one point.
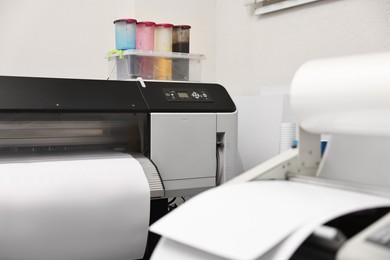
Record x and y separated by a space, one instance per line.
73 208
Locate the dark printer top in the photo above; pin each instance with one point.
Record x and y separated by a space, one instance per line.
70 95
29 94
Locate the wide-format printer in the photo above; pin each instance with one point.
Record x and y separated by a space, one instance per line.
303 204
183 134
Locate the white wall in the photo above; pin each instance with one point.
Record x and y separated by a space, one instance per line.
265 51
244 52
56 38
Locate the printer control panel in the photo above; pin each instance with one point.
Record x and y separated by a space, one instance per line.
187 95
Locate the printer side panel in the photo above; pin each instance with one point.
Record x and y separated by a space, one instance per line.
227 147
183 147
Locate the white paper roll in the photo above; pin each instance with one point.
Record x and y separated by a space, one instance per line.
347 95
72 209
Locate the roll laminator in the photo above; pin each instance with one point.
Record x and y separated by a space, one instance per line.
347 100
183 134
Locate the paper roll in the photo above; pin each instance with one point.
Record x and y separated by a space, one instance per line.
346 95
73 208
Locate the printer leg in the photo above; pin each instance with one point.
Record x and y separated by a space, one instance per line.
158 209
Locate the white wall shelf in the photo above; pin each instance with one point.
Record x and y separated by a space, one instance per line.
268 6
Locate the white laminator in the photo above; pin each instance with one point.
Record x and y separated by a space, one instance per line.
286 207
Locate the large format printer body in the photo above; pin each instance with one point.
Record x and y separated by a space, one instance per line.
303 204
184 134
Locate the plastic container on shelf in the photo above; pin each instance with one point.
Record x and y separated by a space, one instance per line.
145 36
145 42
163 43
125 34
180 43
128 66
181 38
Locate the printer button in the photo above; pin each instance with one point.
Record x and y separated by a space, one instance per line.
195 95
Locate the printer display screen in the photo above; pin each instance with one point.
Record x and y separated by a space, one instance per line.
183 94
187 95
